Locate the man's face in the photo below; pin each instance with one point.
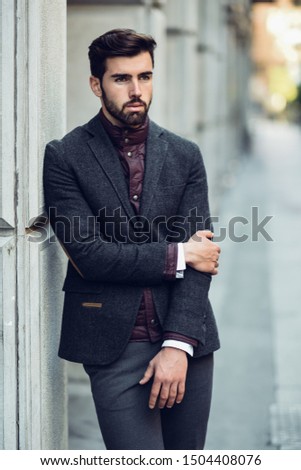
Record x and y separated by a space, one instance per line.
126 89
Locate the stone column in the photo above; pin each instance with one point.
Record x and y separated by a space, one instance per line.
223 88
182 83
211 83
32 387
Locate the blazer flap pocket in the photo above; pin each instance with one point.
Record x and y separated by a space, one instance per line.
84 301
91 304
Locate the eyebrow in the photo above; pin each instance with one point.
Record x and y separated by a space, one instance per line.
119 75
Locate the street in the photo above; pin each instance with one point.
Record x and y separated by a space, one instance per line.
256 298
257 393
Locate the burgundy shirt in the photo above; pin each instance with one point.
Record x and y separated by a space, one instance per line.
130 144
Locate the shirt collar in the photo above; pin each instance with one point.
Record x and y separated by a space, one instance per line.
125 136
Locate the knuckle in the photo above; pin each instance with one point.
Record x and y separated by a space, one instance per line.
158 378
167 381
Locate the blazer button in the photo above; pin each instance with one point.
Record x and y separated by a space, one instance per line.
135 197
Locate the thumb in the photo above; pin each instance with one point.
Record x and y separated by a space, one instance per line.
147 374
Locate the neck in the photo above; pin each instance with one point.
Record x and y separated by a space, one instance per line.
111 118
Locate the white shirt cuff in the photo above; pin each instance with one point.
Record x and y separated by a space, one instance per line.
173 343
181 263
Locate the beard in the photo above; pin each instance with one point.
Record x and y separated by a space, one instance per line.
132 118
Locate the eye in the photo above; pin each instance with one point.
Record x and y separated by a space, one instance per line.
145 77
121 79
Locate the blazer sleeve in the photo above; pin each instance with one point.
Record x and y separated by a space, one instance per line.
73 222
189 296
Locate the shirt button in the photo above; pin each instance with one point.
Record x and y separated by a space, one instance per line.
153 321
129 154
126 141
135 197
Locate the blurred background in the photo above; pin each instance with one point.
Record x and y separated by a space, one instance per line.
227 76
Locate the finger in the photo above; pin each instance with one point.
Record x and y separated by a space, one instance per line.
202 233
212 267
181 392
164 395
154 394
147 374
173 392
208 234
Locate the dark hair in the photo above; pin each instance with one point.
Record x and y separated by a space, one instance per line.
118 43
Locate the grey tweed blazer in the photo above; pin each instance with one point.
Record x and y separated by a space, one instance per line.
113 253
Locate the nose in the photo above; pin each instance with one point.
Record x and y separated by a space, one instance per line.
135 89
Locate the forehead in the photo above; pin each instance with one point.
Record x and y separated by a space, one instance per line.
129 65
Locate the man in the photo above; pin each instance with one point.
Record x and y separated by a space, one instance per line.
124 197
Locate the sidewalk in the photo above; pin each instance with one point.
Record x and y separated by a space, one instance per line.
283 160
84 432
257 298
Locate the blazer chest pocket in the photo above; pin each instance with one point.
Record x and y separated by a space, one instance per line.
168 198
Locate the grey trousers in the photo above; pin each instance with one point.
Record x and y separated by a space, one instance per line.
121 403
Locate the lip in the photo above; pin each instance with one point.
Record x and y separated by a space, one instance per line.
135 106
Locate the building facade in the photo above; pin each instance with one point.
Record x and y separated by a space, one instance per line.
201 71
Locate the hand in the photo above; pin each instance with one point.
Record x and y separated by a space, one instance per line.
169 368
201 253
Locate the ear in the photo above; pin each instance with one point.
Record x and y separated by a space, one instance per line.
95 86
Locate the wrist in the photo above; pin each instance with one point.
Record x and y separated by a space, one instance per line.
174 351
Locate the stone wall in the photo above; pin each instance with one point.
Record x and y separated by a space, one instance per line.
32 385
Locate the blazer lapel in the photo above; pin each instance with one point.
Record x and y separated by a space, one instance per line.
156 148
108 159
